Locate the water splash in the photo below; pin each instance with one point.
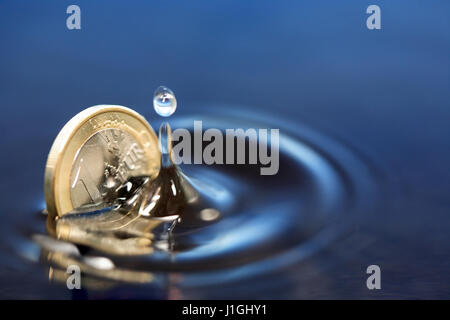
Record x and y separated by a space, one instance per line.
230 221
165 144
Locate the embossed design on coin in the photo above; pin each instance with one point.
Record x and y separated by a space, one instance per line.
104 162
95 152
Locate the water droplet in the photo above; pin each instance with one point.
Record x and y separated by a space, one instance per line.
165 144
164 101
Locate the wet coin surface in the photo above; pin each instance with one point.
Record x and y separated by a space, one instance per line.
94 153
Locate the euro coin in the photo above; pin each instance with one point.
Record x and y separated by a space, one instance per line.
95 152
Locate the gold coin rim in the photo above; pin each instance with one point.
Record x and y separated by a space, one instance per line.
64 139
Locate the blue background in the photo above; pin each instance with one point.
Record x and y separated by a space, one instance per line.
386 91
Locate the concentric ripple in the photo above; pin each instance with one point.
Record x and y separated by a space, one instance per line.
262 223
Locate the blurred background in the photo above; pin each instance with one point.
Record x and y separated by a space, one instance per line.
384 92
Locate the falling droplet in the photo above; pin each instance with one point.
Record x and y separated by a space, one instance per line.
164 101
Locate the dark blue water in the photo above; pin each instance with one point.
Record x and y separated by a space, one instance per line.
363 115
